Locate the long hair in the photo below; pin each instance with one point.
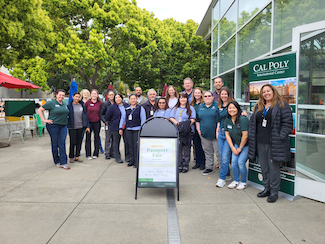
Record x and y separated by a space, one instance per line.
276 98
167 94
187 106
157 106
230 96
238 113
194 99
85 91
98 99
118 94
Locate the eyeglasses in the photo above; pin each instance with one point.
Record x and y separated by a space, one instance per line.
207 95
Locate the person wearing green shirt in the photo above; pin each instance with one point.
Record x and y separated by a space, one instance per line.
56 125
236 130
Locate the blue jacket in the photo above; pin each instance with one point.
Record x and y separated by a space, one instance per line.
113 116
85 120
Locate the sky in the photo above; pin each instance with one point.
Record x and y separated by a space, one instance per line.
179 10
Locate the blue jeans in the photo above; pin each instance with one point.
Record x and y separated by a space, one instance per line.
58 134
238 164
225 154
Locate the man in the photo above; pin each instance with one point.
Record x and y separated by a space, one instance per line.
149 106
188 85
218 84
138 92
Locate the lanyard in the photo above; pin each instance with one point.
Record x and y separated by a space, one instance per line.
265 111
180 112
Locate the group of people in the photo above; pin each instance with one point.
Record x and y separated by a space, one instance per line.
211 122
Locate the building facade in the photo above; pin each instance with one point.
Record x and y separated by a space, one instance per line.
244 30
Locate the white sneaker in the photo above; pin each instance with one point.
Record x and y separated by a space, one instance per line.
241 186
94 157
233 184
89 158
220 183
228 178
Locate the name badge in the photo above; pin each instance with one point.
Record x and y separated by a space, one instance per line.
81 109
57 105
106 127
264 122
130 117
151 112
229 126
221 109
92 104
179 119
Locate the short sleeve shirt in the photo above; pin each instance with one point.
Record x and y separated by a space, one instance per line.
208 118
58 113
180 115
235 131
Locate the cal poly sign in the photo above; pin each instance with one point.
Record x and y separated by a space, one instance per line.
273 68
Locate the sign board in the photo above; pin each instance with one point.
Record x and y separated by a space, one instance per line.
279 71
157 162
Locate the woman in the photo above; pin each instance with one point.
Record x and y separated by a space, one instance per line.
115 116
108 135
197 100
236 130
225 97
206 125
93 108
183 115
134 118
56 125
162 108
171 97
269 127
78 121
85 96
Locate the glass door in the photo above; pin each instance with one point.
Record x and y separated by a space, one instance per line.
309 43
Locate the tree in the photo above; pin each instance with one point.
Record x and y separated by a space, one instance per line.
25 30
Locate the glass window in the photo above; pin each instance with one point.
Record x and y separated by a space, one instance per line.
228 80
215 64
215 14
228 24
255 38
285 50
246 9
215 39
289 14
227 56
224 5
242 88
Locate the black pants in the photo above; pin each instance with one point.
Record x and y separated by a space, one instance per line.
126 146
185 151
95 127
75 142
132 139
116 144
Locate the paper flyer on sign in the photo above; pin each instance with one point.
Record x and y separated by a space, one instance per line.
157 161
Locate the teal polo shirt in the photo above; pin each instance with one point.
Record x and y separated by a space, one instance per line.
235 131
58 113
208 118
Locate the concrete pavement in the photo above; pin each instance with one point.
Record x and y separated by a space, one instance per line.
93 202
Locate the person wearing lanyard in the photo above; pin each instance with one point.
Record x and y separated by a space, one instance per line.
197 100
183 115
206 125
134 118
224 150
236 130
115 116
78 121
269 128
56 125
162 109
149 106
93 108
108 135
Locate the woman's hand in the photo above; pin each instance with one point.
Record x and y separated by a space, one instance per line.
120 132
88 130
48 121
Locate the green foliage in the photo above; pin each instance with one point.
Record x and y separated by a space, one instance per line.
121 88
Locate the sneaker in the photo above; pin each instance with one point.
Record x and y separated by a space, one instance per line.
228 178
102 151
107 157
202 167
89 158
185 170
220 183
208 172
196 166
233 184
58 165
241 186
71 160
65 166
94 157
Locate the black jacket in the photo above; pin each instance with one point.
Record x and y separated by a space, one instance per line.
281 126
184 130
103 110
85 120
